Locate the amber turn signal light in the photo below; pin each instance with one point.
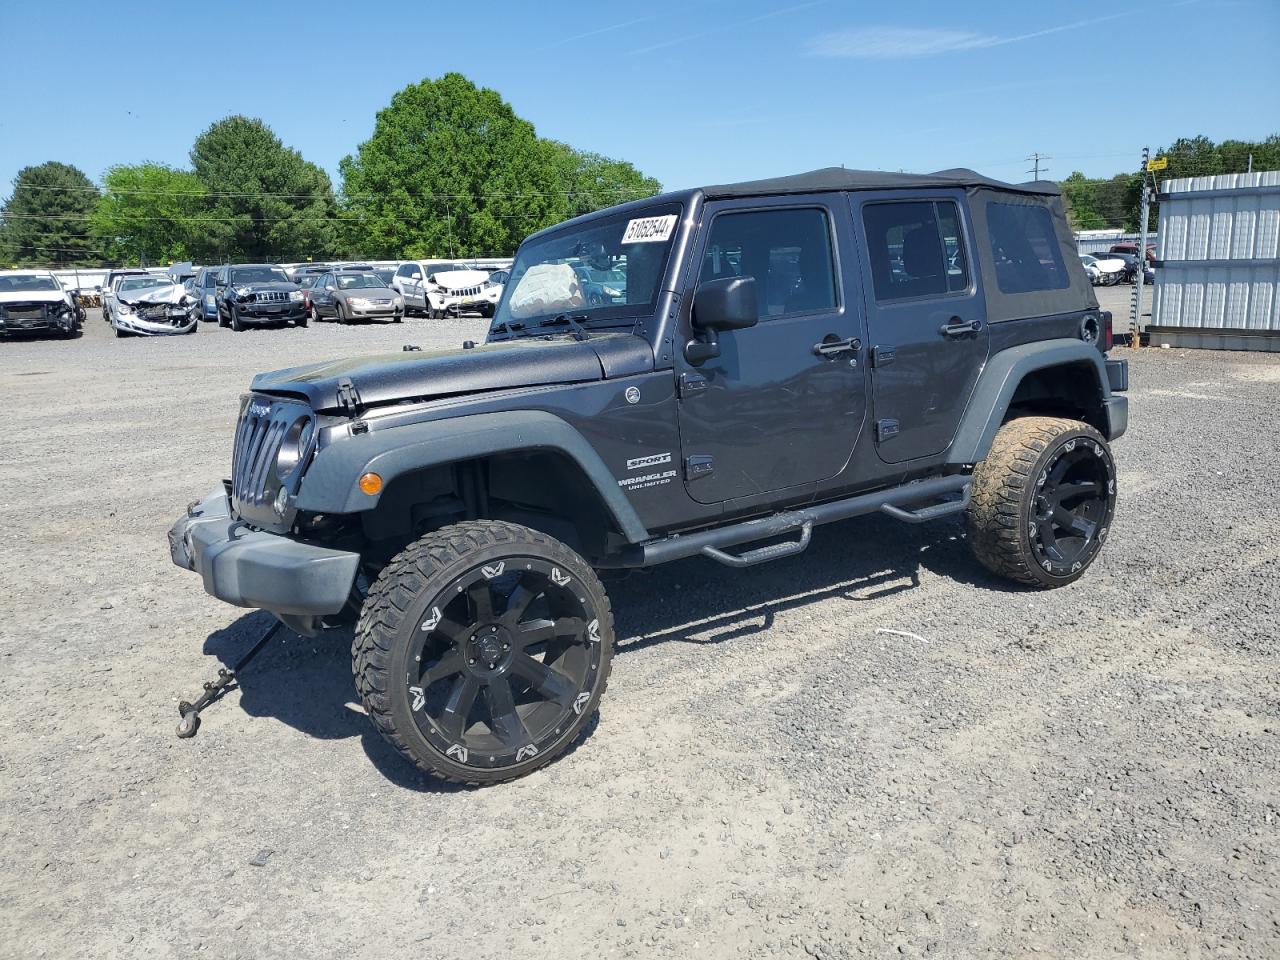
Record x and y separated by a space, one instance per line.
371 483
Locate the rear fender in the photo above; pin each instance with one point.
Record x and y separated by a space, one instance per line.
1004 374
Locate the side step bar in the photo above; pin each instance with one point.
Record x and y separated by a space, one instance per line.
896 502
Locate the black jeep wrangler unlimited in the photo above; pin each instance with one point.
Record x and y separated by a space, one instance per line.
776 355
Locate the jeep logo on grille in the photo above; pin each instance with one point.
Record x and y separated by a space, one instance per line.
259 409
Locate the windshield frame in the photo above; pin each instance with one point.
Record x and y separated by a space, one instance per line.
504 326
377 283
22 283
278 275
142 283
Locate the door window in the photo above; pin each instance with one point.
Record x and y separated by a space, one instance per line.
916 249
787 251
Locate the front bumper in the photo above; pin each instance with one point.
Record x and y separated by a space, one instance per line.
132 323
65 323
376 311
294 310
252 568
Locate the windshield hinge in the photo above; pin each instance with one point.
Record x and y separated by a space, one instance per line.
348 397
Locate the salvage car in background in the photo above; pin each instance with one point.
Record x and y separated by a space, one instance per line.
33 301
112 281
438 288
254 294
151 306
350 295
1102 272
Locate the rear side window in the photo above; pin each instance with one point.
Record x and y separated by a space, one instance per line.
1025 248
916 249
787 251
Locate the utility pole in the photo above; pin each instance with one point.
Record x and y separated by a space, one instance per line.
1036 159
1135 304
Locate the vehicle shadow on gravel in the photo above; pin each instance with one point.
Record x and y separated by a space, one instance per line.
856 560
306 683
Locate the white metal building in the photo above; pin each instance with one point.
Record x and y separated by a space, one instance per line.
1218 285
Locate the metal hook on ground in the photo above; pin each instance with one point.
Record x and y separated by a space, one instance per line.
213 689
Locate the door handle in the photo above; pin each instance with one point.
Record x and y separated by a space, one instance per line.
832 347
958 328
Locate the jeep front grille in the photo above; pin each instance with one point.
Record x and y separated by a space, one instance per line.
272 296
465 292
259 433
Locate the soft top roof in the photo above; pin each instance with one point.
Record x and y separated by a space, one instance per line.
838 178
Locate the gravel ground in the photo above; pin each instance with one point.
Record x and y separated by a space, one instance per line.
1090 772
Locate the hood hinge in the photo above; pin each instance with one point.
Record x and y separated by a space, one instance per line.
348 398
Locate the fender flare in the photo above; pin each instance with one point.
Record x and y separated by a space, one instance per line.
330 483
999 382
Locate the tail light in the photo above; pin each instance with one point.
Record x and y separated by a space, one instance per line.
1107 335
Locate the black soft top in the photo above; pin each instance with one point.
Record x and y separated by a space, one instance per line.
838 178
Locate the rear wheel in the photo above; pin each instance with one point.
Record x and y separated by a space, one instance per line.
483 650
1043 501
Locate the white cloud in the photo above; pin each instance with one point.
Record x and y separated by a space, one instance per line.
899 43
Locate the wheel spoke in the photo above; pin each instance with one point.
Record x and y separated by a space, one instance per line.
1067 491
519 600
549 682
449 664
544 631
1075 524
451 628
503 719
453 719
481 599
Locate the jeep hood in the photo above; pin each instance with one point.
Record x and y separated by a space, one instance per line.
430 374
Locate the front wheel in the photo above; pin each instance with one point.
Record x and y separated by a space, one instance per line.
236 325
483 650
1043 501
339 313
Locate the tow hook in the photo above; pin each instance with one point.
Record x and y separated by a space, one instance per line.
190 712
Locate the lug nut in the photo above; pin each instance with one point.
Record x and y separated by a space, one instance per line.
471 660
506 646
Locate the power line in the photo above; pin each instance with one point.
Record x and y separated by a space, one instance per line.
1035 158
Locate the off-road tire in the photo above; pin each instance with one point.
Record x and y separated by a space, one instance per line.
1007 497
408 593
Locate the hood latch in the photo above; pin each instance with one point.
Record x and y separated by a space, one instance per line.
348 398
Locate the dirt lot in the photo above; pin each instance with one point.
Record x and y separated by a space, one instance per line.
1091 772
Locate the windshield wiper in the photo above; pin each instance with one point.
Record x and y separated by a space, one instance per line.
508 326
579 331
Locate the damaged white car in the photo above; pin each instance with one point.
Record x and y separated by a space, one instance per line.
34 301
152 306
445 289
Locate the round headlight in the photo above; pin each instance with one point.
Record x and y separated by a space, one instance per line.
293 447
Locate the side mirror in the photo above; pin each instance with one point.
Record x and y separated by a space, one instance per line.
415 275
725 304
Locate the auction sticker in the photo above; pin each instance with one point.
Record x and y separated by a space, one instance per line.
649 229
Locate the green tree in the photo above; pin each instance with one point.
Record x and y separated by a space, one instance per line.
264 201
592 181
45 219
450 170
149 212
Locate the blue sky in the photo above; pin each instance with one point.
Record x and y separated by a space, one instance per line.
692 92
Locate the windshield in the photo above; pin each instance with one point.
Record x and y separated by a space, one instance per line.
27 284
353 281
143 283
606 269
258 275
385 274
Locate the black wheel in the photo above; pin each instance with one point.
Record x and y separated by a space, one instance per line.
236 325
222 321
595 300
303 321
398 318
339 313
1043 501
483 650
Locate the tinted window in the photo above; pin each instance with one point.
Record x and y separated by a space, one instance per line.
1025 248
258 275
787 251
916 249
